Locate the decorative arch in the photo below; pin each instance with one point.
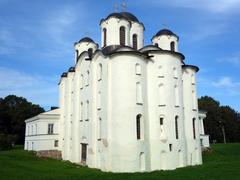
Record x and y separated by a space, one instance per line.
139 127
104 37
176 127
172 46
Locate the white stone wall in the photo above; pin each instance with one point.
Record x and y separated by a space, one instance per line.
164 42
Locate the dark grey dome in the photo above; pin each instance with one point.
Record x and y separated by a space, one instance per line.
165 32
124 15
86 39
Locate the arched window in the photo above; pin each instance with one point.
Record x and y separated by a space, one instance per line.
99 128
139 97
138 126
161 120
99 100
176 95
87 110
176 126
172 46
170 147
156 44
161 95
160 72
87 79
135 42
175 73
194 128
90 53
77 55
122 36
99 73
104 37
138 69
81 81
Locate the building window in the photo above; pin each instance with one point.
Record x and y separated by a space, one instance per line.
104 37
176 126
156 44
176 95
99 128
87 110
90 53
84 153
194 128
99 72
161 95
122 36
77 55
50 128
161 120
135 42
139 93
160 72
87 79
99 100
56 143
175 73
138 69
170 147
138 124
81 81
172 46
81 110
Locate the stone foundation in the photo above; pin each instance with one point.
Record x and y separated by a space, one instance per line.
55 154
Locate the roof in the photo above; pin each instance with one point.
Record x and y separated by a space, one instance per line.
124 15
85 39
165 32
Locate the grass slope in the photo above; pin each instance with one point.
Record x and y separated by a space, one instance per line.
223 163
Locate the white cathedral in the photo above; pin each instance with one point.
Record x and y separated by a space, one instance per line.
124 107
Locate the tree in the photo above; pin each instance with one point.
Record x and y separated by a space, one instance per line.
13 112
220 121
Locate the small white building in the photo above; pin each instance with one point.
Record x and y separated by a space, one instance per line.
124 107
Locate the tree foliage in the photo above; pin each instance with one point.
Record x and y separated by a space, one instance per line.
13 112
219 117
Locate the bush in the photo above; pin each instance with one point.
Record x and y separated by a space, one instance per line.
7 141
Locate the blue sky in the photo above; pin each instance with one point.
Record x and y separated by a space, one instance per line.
37 37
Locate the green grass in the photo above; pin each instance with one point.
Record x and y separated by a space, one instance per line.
223 163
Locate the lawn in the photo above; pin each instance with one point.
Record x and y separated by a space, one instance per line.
223 163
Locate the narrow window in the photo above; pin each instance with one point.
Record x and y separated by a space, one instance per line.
194 128
135 42
175 73
161 95
81 110
99 72
87 79
56 143
122 36
99 100
84 153
170 147
176 95
87 110
50 128
138 69
176 126
156 44
104 37
76 55
172 46
138 124
99 128
161 121
81 81
90 53
160 72
139 93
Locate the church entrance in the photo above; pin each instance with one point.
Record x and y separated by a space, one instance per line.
84 154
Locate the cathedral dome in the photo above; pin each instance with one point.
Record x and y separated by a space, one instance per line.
124 15
165 32
86 39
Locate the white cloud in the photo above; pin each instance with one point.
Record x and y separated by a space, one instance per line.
39 89
224 82
234 59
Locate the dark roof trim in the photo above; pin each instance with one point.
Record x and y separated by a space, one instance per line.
85 39
64 75
167 51
165 32
71 69
191 66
